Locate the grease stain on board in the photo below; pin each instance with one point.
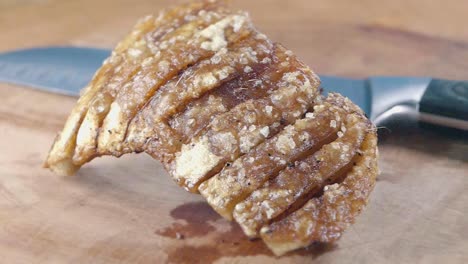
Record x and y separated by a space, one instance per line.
201 236
197 217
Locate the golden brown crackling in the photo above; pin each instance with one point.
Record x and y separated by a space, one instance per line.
234 183
60 156
62 151
195 81
153 72
207 75
164 21
86 142
190 46
324 219
238 131
174 17
152 33
245 138
255 82
305 177
181 90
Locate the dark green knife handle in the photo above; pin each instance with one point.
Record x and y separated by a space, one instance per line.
446 99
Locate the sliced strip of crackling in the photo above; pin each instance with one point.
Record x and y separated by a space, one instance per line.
86 140
303 178
237 181
238 131
190 46
175 17
255 82
194 82
140 52
323 219
207 75
60 156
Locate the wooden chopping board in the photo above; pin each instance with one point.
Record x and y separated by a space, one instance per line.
128 210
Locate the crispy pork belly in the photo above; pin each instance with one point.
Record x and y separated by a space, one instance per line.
232 115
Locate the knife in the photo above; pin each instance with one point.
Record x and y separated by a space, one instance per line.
66 70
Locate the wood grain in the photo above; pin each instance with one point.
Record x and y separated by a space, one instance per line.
128 210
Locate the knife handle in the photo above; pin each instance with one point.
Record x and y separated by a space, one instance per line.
445 103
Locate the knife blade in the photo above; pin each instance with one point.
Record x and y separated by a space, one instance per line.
66 70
